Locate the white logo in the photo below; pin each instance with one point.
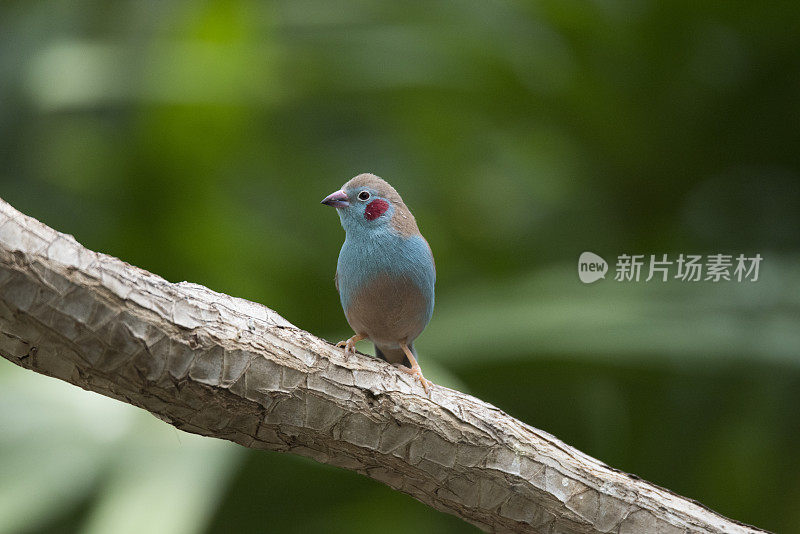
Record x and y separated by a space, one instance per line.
661 268
591 267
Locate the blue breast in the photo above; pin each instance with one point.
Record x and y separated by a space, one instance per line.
369 252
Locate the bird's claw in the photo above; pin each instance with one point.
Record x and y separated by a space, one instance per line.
349 345
416 373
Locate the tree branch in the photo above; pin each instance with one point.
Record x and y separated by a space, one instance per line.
220 366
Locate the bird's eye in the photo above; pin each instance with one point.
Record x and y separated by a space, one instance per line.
363 196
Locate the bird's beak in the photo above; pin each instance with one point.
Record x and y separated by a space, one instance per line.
336 200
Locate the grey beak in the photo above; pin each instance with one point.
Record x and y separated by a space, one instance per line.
336 200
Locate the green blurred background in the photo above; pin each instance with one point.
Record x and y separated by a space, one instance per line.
196 139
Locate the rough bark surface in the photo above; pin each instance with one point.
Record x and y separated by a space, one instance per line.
220 366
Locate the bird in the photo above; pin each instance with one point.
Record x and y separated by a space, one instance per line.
385 274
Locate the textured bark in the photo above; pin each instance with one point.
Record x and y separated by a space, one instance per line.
220 366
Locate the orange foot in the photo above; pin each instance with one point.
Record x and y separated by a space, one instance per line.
350 344
415 370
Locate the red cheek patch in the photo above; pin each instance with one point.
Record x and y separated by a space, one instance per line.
375 209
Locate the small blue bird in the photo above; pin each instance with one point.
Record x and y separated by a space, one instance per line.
385 275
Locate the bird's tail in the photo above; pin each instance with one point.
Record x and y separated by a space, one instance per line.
395 354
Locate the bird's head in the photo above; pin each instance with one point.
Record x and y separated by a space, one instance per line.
369 202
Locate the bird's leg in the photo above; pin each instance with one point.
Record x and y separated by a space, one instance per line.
350 344
415 370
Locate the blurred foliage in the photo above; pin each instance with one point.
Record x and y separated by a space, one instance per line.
195 139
